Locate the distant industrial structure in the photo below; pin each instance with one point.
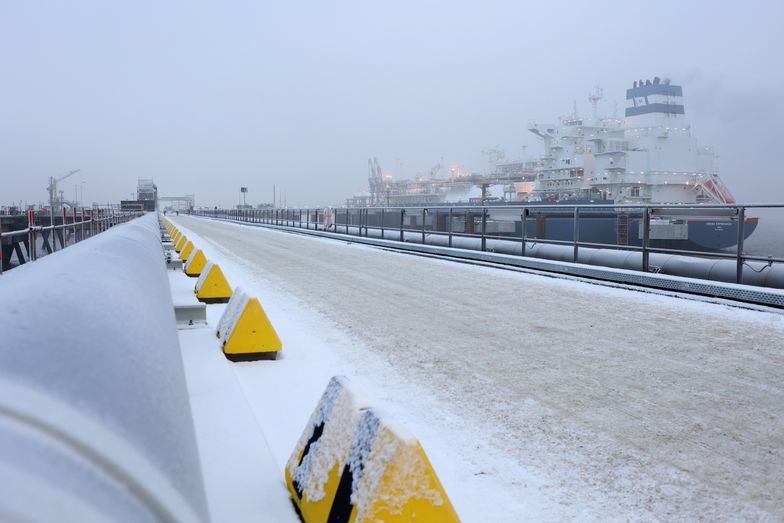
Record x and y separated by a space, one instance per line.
146 197
178 203
57 199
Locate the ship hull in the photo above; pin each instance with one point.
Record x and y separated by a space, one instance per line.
707 234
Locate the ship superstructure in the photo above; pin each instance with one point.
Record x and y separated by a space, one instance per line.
649 157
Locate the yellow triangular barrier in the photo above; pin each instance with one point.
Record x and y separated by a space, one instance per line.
195 264
349 443
212 287
245 332
186 251
175 236
180 245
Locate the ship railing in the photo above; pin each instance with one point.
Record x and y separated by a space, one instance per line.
417 223
67 228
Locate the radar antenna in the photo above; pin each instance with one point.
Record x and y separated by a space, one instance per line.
594 98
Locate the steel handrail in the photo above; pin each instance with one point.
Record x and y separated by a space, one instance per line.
644 212
78 228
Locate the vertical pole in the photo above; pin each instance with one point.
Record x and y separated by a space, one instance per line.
402 218
424 215
307 219
92 221
484 228
741 237
81 226
65 215
30 236
576 235
73 215
1 245
646 238
347 217
382 222
450 226
524 223
51 225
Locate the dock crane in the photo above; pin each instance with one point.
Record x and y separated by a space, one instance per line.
55 199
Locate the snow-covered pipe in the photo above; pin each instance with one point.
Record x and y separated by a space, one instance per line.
95 421
724 270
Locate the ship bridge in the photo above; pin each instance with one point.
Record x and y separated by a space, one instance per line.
654 97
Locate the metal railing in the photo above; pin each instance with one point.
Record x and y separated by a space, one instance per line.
20 233
731 226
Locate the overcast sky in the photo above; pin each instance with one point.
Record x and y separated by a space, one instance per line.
206 97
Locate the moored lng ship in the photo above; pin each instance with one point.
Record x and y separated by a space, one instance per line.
650 157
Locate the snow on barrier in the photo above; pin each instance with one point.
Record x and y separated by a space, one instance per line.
186 251
352 464
195 263
212 286
180 245
95 419
245 332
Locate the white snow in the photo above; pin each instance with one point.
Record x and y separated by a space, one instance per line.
534 397
243 480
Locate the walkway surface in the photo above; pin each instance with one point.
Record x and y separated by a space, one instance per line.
620 404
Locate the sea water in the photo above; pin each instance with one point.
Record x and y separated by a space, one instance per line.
768 237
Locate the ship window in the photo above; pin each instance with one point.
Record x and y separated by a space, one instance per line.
635 191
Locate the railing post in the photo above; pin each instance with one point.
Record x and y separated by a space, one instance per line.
92 221
646 238
424 215
81 227
52 231
73 214
30 236
402 218
450 226
382 222
347 215
741 237
484 228
524 223
576 235
1 246
65 216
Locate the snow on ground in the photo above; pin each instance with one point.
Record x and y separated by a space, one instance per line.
242 478
535 398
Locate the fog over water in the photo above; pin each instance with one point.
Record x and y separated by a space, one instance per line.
207 97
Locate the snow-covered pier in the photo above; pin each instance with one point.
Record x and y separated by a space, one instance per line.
535 397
